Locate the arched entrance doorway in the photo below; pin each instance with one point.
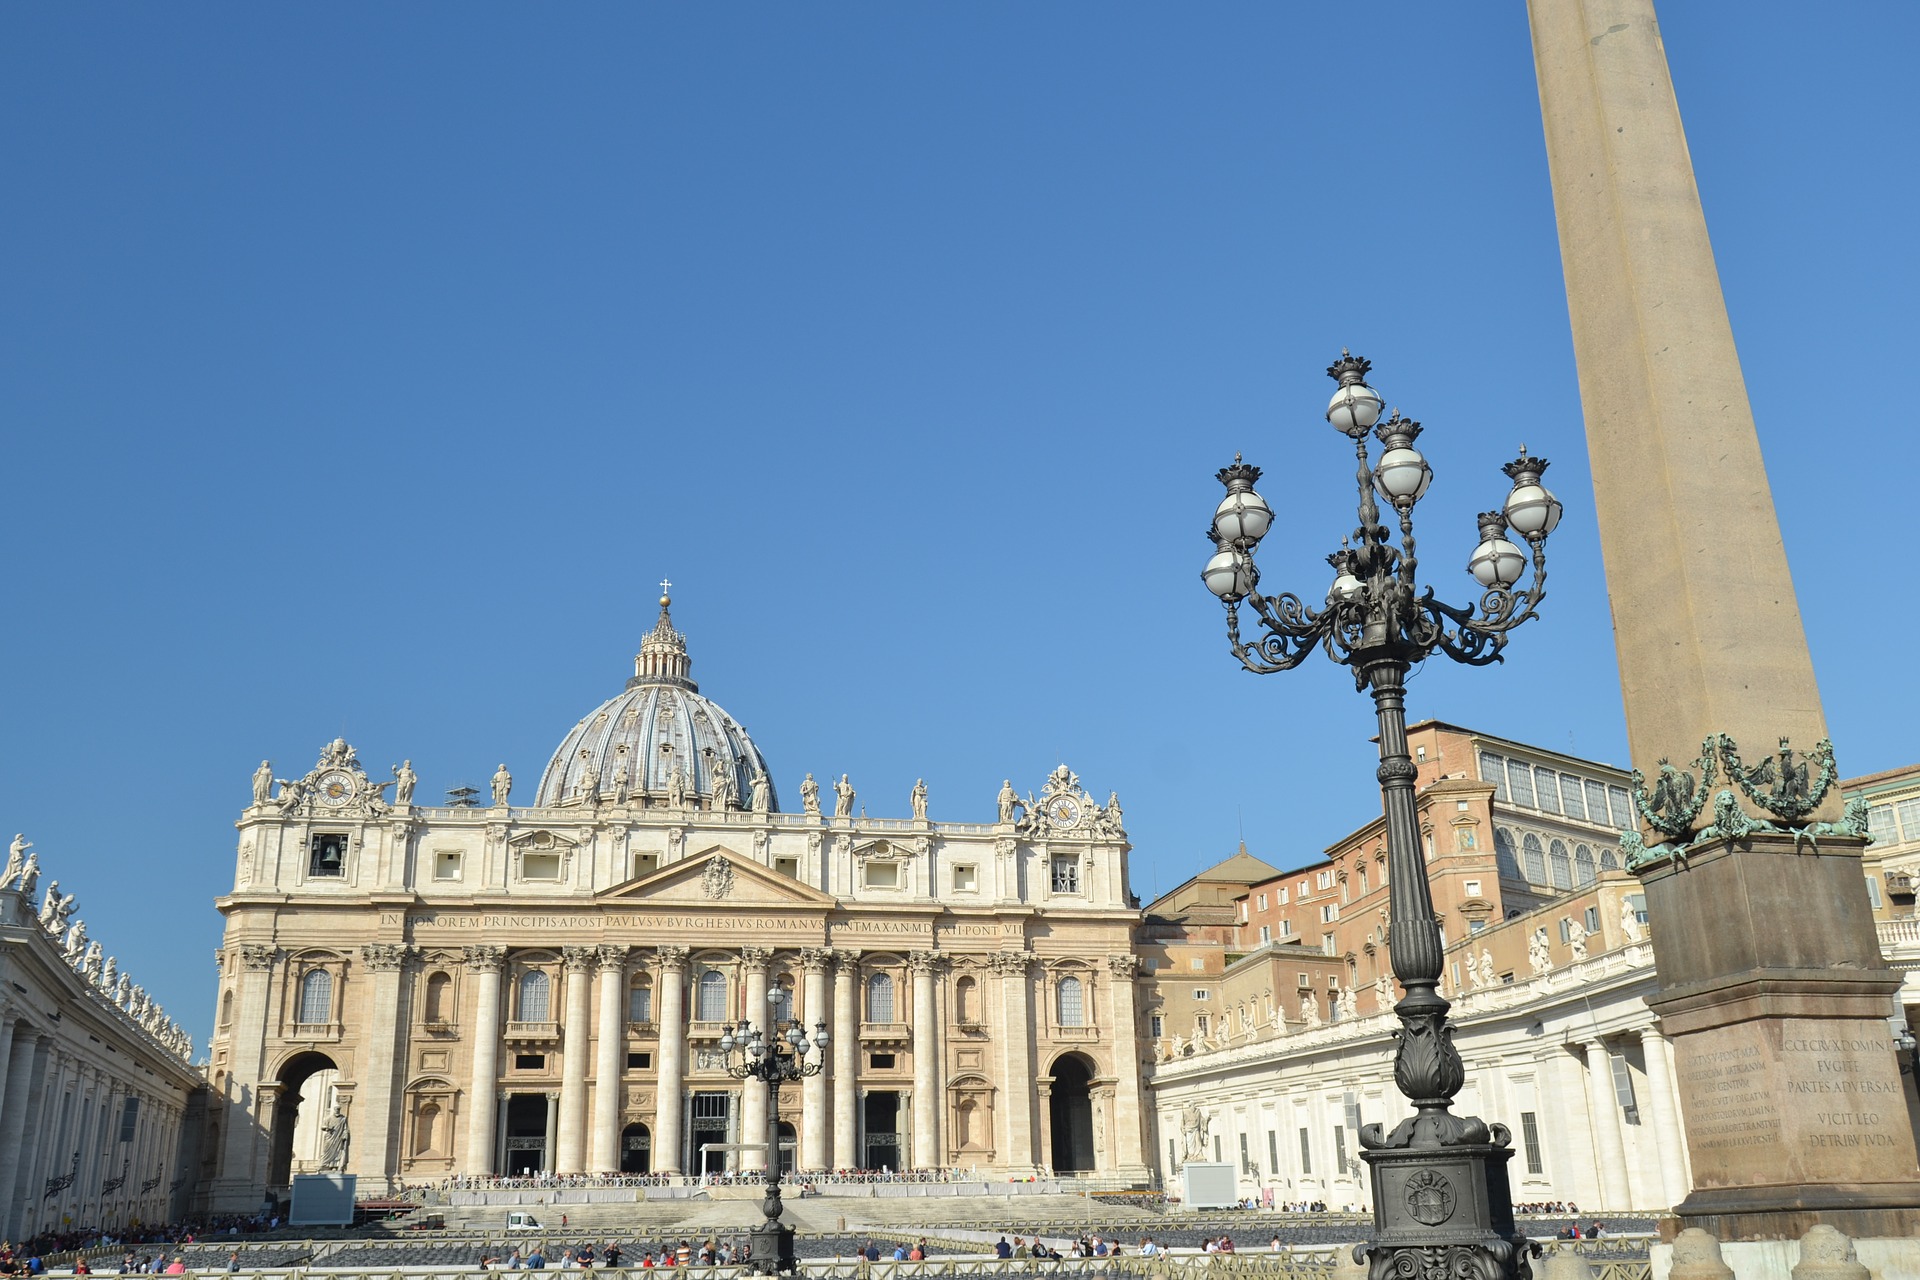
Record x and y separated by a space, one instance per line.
1070 1114
636 1149
300 1096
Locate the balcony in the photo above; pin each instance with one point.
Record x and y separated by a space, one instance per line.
533 1033
885 1033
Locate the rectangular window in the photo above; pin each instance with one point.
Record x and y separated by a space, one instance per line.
966 879
1216 1148
1475 926
1546 785
639 1061
1246 1160
639 1004
1622 811
1472 888
1329 912
882 1061
789 867
1324 880
1273 1152
539 866
1339 1148
1572 797
711 1106
1623 1089
327 854
1197 963
1156 1026
1638 901
883 875
1066 875
1593 920
1263 902
1286 927
1306 1155
1530 1137
1304 890
1881 826
1281 897
1201 993
645 864
529 1062
1873 891
1597 804
446 866
1908 811
1520 783
1326 944
1493 769
1266 934
1173 1154
129 1119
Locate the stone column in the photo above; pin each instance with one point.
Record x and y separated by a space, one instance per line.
237 1189
1016 1063
9 1021
610 1062
1127 1112
753 1093
1666 1122
371 1149
483 1111
573 1074
671 989
845 1026
1605 1107
926 1060
814 962
15 1157
1766 949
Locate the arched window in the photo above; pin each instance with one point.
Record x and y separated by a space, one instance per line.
1073 1007
1609 860
1503 857
316 996
226 1008
1582 866
426 1129
780 1001
966 1000
534 992
1562 865
711 1000
880 998
439 998
1536 860
640 1001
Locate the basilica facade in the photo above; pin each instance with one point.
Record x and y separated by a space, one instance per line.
496 988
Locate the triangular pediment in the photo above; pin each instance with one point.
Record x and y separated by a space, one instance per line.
719 877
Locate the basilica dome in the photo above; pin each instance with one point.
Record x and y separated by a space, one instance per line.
659 742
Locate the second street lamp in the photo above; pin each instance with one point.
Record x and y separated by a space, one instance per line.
751 1054
1442 1208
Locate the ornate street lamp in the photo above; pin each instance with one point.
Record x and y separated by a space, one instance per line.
749 1054
1442 1208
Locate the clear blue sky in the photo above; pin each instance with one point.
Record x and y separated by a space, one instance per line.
363 367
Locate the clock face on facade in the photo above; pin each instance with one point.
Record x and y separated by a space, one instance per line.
1063 811
335 788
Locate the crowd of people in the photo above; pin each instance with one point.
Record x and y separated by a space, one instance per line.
648 1257
150 1248
719 1177
1550 1207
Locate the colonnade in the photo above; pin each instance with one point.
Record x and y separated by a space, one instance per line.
80 1140
1670 1178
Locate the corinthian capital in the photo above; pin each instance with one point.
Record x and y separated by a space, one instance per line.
756 958
258 958
925 961
611 957
673 957
483 959
1010 964
1124 967
578 959
816 959
385 957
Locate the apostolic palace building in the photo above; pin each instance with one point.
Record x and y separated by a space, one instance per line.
540 984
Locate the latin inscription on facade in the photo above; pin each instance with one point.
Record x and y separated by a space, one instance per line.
1803 1100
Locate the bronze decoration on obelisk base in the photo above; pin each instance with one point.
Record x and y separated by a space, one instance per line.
1773 990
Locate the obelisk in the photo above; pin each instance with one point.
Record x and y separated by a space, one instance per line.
1773 989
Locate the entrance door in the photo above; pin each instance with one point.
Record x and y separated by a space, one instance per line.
636 1149
1071 1115
712 1124
787 1142
881 1115
526 1134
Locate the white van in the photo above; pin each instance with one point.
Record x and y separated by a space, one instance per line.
520 1220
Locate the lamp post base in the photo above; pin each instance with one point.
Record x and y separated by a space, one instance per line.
773 1239
1444 1213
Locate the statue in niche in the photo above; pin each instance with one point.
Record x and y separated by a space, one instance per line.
622 780
843 798
262 782
919 800
30 876
677 787
16 860
762 792
810 796
404 780
502 786
334 1140
1010 803
723 784
1629 922
1577 939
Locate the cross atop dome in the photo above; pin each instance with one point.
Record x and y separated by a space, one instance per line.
663 651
